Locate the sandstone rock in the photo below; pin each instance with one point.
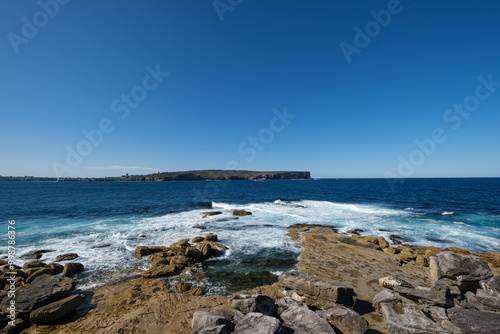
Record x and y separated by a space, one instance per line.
205 249
184 243
390 250
492 286
408 319
158 249
194 253
159 271
345 320
464 268
254 323
72 268
160 261
247 303
475 321
213 213
457 250
31 256
202 320
43 290
385 296
31 271
241 213
390 282
356 231
19 325
142 251
421 260
382 242
197 239
66 257
317 293
396 240
179 261
41 271
34 264
56 310
181 287
56 268
211 237
304 321
195 292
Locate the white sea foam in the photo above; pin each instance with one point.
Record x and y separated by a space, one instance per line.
447 213
260 233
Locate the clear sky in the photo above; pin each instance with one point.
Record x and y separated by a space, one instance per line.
339 88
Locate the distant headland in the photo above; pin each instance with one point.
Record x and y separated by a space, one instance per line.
193 175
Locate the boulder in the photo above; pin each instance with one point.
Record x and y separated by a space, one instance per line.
396 239
303 320
427 296
246 303
241 213
316 292
382 242
183 243
202 320
195 292
34 264
408 319
159 261
464 268
179 261
212 213
181 287
159 271
390 282
492 286
205 249
158 249
44 290
66 257
385 296
482 301
72 268
30 256
41 271
56 310
142 251
284 304
474 321
56 267
254 323
345 320
197 239
221 329
211 237
194 253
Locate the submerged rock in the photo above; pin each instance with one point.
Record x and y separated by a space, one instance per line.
66 257
241 213
142 251
72 268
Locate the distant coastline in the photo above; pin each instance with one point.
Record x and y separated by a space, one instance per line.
194 175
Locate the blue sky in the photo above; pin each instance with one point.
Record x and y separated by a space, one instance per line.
354 116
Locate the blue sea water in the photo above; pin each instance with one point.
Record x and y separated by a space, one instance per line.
77 216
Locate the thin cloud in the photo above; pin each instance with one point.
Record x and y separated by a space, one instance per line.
123 167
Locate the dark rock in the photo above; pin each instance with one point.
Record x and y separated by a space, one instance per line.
241 213
43 251
56 310
100 246
385 296
356 231
194 253
66 257
492 286
56 268
142 251
44 290
202 320
212 213
19 325
315 292
159 271
205 249
345 320
34 264
254 323
464 268
475 321
201 227
179 261
159 249
408 319
246 303
197 239
396 239
72 268
211 237
30 256
304 321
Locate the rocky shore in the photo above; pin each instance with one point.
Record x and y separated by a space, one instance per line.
343 284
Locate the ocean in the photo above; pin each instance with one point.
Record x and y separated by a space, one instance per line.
78 216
